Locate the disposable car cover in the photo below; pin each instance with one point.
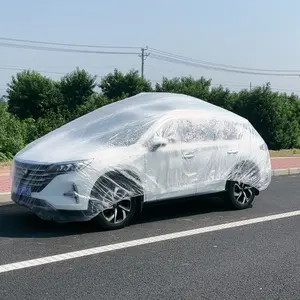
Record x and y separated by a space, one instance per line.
147 147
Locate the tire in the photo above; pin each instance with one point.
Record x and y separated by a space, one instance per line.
108 190
239 195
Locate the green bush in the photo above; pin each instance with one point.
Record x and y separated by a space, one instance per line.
12 133
274 115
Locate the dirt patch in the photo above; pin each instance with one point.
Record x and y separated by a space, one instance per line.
285 153
5 166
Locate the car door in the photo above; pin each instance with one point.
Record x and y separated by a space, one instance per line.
219 148
171 169
229 145
206 159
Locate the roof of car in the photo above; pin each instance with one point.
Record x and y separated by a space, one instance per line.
148 107
154 103
123 120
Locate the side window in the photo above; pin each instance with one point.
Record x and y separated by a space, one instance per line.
207 130
199 132
188 131
229 131
170 131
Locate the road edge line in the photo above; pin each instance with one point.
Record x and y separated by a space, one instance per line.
140 242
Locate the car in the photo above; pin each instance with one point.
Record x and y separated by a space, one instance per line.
108 163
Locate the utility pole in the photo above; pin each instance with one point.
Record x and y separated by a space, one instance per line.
250 86
143 57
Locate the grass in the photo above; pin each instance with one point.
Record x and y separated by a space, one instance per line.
5 164
285 153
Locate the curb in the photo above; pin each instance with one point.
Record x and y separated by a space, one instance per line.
5 199
282 172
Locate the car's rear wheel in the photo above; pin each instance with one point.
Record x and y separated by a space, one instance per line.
239 195
117 198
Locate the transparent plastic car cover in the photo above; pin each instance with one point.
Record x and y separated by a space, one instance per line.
144 148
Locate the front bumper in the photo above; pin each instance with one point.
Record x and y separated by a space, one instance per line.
46 211
62 197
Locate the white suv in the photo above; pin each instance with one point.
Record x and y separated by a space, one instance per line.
153 146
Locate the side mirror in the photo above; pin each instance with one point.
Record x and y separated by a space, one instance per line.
157 142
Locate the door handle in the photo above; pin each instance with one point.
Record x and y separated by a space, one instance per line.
232 151
188 155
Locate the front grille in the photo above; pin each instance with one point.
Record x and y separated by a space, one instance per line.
34 175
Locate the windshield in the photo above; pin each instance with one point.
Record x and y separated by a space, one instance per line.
116 130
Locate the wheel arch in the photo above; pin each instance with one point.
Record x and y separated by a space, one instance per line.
130 175
239 166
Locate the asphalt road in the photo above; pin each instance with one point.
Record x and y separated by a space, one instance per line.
258 261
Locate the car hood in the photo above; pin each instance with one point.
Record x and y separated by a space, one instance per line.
52 152
61 148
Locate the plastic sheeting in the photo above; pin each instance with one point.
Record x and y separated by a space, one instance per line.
144 148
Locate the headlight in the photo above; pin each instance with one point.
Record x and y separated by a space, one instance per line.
69 166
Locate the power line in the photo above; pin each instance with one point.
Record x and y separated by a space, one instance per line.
66 44
40 71
156 54
88 67
168 54
43 48
22 69
211 67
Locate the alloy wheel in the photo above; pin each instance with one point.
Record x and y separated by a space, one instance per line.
242 192
119 205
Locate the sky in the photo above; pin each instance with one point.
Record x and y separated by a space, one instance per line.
262 34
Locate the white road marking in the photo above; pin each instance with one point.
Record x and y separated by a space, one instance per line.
159 238
7 193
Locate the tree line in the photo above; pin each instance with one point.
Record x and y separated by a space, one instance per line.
36 105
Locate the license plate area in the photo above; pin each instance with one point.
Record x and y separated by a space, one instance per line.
23 190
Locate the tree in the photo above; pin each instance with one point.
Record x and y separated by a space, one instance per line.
199 88
49 122
117 85
222 97
272 114
31 95
76 88
94 102
12 133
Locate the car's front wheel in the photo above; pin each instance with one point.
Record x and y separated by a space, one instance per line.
239 195
116 197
